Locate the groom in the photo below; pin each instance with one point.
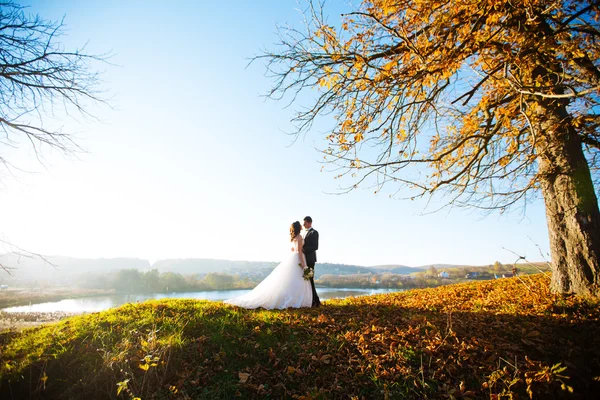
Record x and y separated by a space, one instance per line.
311 244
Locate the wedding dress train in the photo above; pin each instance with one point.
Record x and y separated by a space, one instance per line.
284 287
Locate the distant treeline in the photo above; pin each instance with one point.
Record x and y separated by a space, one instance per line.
376 281
136 281
432 277
133 280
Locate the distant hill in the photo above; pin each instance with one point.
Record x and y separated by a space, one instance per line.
69 268
442 266
342 269
398 269
190 266
26 266
389 266
64 269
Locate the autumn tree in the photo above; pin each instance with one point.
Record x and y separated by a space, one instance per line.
218 281
498 267
432 271
40 82
486 101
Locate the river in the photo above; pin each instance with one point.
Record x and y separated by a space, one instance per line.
100 303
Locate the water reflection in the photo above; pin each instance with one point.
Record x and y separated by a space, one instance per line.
100 303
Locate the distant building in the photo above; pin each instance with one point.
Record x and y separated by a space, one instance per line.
444 274
472 275
3 287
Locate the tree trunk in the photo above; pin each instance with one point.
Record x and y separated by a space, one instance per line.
571 204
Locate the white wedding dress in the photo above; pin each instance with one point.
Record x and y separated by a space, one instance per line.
284 287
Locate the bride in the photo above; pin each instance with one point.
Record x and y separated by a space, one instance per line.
285 286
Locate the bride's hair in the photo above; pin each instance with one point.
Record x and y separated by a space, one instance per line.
294 230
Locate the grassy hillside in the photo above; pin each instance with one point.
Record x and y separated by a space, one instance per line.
508 338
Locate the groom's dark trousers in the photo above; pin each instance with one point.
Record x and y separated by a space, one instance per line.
311 244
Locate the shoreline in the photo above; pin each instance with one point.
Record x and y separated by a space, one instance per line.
16 321
24 297
19 320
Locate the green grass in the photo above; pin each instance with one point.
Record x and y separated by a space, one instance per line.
504 338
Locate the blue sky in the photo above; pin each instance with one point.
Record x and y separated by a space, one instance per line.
191 161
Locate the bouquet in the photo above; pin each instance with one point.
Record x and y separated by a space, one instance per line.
308 273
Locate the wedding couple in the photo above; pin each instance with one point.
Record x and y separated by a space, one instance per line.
291 283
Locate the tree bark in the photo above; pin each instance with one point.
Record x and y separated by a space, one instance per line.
572 210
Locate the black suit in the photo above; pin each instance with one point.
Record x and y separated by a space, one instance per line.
311 244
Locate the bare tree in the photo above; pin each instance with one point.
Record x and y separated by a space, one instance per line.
40 81
487 101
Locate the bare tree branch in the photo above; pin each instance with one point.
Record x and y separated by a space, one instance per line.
38 78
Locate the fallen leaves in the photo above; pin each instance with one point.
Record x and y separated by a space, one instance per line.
243 377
